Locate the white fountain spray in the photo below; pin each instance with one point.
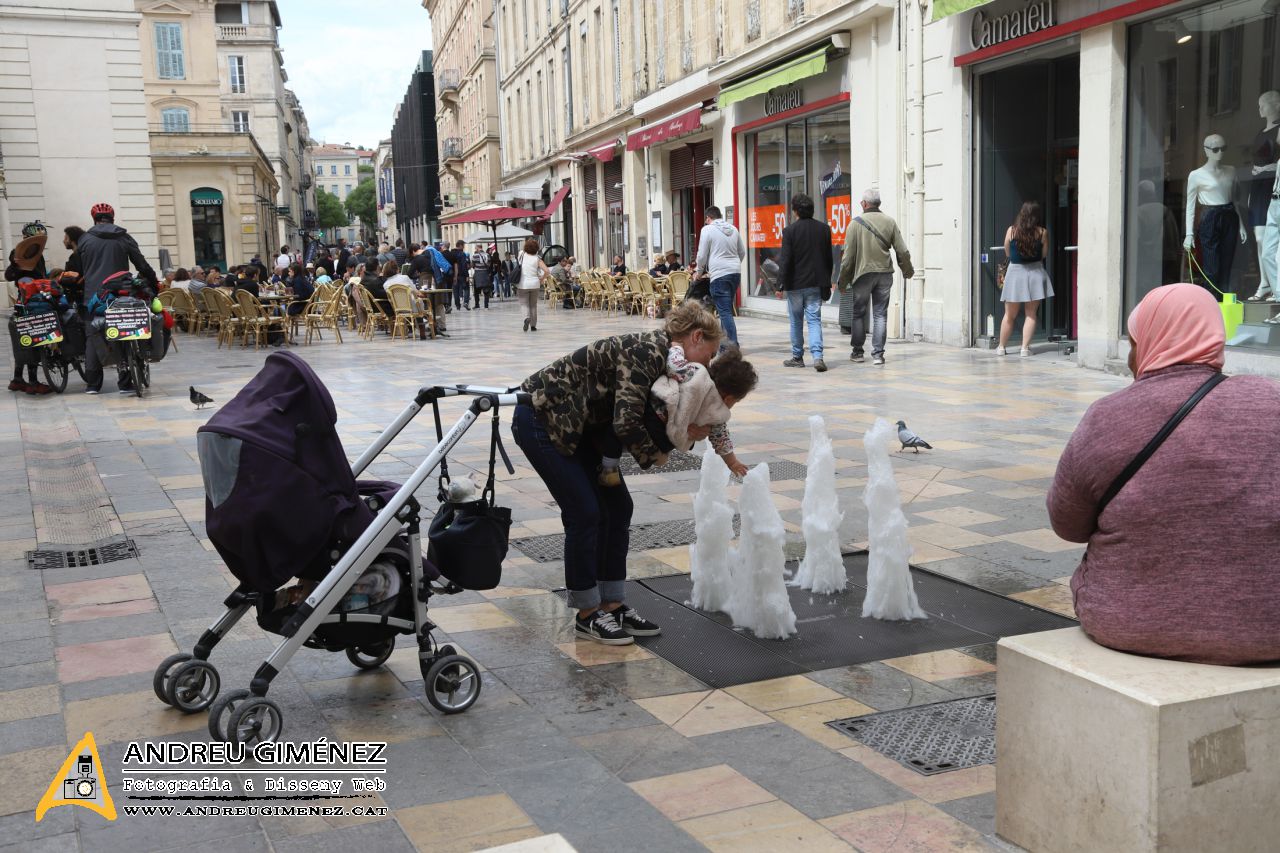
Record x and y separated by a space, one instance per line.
713 527
759 601
822 569
890 593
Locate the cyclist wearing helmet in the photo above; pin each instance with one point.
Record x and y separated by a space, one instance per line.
26 261
106 248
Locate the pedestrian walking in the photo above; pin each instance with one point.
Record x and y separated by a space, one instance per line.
529 285
804 275
1026 282
508 275
481 283
461 279
720 254
866 275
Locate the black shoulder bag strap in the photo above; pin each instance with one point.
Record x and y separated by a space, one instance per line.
495 448
1154 444
884 244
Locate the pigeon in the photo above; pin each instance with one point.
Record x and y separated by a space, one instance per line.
910 439
199 399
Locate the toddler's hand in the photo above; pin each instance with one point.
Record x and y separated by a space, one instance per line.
734 465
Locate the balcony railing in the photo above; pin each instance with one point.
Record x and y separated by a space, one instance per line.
246 32
447 82
451 148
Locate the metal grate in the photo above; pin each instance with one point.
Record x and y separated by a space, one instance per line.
930 739
679 460
644 537
85 555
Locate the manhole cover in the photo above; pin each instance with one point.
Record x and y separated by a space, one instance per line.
644 537
931 739
84 555
678 460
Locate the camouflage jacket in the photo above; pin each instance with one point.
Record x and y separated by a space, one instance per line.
605 383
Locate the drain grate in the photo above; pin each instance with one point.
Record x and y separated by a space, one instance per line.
930 739
678 460
85 555
644 537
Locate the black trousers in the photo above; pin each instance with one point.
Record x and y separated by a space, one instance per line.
1218 233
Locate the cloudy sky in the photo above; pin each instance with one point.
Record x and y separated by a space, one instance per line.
349 62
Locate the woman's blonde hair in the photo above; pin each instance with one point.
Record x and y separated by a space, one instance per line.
690 316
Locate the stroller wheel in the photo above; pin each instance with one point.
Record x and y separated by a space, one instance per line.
222 711
256 720
371 657
160 681
192 686
453 684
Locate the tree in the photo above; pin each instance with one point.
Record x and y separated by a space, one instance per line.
329 212
364 170
362 204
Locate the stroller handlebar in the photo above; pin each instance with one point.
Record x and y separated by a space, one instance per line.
500 396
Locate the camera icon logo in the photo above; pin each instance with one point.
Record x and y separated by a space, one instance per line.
83 786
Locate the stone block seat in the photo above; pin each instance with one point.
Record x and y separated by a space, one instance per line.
1099 751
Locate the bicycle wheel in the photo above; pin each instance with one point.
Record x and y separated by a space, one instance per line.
54 370
78 364
134 366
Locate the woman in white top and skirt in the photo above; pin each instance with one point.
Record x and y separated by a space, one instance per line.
1026 282
529 288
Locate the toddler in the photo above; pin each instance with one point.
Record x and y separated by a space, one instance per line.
689 395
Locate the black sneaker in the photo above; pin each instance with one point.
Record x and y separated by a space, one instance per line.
633 623
603 628
857 356
820 366
793 362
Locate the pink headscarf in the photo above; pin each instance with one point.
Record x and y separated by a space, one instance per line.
1177 324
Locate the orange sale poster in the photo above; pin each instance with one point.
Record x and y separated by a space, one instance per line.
766 224
839 215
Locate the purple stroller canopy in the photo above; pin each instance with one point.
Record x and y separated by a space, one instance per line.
280 498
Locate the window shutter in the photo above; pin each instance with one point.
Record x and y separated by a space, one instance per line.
681 169
175 120
169 58
612 175
703 176
589 184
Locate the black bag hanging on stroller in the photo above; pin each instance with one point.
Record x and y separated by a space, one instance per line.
470 537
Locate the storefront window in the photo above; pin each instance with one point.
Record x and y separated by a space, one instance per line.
808 155
1203 143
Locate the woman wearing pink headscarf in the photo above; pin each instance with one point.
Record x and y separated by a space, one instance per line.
1184 562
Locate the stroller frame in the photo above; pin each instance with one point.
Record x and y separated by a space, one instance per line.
190 683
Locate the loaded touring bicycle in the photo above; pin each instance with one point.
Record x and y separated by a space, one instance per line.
283 502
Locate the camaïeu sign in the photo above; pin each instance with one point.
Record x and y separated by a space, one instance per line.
986 29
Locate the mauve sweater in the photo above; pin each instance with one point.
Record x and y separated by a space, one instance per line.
1185 561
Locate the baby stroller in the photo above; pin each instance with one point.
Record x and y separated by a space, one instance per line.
282 501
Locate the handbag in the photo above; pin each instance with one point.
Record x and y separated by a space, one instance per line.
1228 303
1154 444
467 541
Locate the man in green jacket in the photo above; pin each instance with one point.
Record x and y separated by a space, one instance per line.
866 273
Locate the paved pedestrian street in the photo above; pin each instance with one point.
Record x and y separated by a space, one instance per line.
613 748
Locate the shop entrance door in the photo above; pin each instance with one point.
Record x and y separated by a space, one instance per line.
1029 126
206 228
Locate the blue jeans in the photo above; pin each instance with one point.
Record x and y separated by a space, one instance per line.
461 291
805 306
873 287
723 290
596 519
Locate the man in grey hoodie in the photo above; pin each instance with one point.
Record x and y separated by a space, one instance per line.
720 254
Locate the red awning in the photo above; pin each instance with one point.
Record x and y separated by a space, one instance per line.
604 153
556 200
687 122
488 215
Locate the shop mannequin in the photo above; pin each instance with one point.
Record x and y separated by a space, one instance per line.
1266 151
1213 187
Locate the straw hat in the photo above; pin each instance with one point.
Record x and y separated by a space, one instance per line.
27 253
